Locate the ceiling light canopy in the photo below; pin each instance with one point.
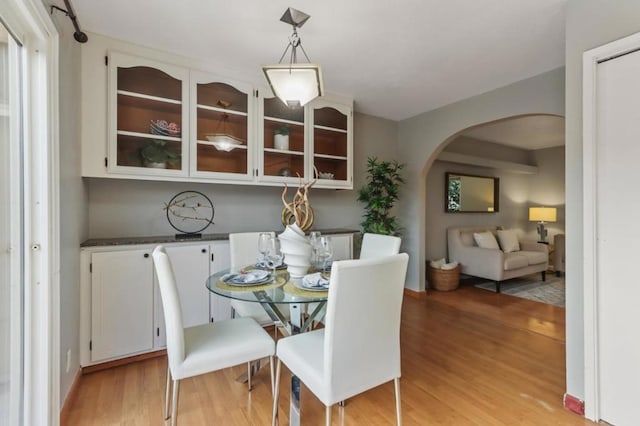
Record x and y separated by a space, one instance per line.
293 83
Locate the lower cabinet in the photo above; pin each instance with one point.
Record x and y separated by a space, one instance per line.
121 308
121 311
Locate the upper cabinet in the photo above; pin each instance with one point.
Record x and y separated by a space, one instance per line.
283 142
148 104
222 117
161 121
331 139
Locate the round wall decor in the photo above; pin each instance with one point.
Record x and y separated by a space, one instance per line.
190 212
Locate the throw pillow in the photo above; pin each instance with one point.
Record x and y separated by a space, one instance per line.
508 240
486 240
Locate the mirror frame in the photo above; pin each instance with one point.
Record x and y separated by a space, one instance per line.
496 193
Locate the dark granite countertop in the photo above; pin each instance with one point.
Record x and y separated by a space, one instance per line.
163 239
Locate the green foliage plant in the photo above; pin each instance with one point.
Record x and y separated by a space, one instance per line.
379 194
159 151
282 130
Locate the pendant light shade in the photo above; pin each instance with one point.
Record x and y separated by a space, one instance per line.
295 84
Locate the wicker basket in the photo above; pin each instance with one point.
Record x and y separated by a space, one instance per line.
443 280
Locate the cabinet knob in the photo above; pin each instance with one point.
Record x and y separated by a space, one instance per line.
204 250
146 255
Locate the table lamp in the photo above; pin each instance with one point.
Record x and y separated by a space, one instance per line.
542 215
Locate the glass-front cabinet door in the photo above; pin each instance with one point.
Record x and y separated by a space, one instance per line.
222 115
283 153
331 141
148 104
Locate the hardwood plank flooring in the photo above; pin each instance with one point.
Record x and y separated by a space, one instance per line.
469 357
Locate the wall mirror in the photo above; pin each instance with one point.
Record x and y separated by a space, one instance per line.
470 194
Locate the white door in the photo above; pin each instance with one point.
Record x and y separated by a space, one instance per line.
11 246
191 269
618 237
121 303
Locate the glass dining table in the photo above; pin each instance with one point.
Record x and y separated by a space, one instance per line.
279 290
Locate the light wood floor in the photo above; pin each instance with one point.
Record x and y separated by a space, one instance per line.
469 357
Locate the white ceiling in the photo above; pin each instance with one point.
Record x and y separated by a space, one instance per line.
531 132
396 58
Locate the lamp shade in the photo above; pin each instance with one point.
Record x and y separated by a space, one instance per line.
542 214
294 84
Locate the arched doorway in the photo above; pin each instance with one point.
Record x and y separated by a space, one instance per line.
525 153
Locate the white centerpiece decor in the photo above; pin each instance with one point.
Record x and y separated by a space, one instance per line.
297 216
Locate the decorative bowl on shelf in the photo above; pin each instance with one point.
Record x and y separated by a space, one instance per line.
164 128
325 175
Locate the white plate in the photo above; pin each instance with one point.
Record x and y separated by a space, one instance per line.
256 276
302 287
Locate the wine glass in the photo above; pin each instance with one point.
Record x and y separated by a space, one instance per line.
324 252
274 254
314 240
263 245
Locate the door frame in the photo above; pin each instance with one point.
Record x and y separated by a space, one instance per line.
31 25
590 61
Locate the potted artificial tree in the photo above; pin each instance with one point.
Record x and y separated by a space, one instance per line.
379 195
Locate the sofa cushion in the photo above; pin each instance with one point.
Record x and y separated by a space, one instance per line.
535 257
508 240
486 240
467 239
515 260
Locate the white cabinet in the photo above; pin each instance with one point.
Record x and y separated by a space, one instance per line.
222 118
121 308
148 106
126 104
191 268
220 306
331 143
121 304
342 245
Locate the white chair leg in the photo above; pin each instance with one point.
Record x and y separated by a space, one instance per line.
249 374
276 391
271 373
327 416
174 402
396 384
167 395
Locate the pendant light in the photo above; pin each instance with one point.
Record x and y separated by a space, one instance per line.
294 83
222 140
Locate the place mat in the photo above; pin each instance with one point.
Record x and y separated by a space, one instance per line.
280 280
292 289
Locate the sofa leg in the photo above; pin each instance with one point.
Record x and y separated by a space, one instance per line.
558 273
544 275
497 286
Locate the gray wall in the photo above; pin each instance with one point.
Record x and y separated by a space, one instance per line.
590 23
120 208
517 193
73 202
421 138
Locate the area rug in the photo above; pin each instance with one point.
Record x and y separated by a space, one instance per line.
531 287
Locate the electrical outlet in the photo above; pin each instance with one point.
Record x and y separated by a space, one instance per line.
68 360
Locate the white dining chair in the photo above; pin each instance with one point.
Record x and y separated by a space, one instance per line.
201 349
373 246
243 248
376 245
349 356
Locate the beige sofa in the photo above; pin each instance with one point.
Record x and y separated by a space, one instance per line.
493 264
